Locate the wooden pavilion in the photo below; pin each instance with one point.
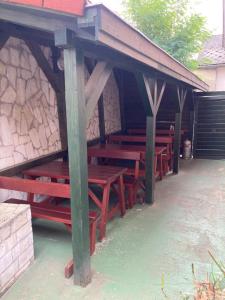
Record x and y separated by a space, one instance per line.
106 44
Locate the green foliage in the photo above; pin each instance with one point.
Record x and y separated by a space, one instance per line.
171 25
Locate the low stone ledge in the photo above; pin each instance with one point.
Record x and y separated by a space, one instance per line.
16 243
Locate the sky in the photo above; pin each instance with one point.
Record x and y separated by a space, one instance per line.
211 9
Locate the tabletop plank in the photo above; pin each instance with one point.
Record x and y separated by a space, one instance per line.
60 170
140 139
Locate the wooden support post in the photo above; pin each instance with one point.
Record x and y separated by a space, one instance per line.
177 138
191 126
61 107
119 76
195 126
101 117
151 96
150 159
77 146
181 96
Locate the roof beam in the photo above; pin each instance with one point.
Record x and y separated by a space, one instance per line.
3 39
35 18
20 32
43 63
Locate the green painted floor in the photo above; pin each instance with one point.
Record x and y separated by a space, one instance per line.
185 222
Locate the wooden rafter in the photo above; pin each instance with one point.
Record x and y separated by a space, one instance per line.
145 93
181 98
43 63
90 64
181 95
161 93
30 18
95 85
151 95
57 82
3 39
153 90
20 32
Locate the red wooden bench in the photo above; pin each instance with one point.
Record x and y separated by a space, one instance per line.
106 177
45 211
118 152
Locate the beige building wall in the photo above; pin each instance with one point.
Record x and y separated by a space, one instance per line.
213 76
29 126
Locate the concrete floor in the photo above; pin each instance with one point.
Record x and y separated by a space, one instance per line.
148 244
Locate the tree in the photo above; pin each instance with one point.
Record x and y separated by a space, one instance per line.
171 25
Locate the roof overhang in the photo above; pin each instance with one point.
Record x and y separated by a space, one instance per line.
101 29
114 32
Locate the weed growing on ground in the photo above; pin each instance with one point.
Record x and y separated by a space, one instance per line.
212 289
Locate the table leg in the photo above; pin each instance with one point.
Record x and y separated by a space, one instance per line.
30 196
122 196
104 211
160 167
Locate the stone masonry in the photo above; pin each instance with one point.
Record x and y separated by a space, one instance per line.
16 243
29 126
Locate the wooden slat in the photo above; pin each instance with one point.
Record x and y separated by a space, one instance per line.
35 187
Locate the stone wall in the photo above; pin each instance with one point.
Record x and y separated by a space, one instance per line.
28 115
16 243
111 111
29 125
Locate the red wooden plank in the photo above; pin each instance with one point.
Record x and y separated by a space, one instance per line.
35 187
139 139
142 131
70 6
75 7
60 170
127 152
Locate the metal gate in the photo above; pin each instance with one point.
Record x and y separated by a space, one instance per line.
209 128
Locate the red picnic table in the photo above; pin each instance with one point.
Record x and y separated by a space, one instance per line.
128 152
105 177
135 153
166 141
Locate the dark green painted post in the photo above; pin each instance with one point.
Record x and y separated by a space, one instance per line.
101 117
120 80
77 148
150 159
177 138
195 127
